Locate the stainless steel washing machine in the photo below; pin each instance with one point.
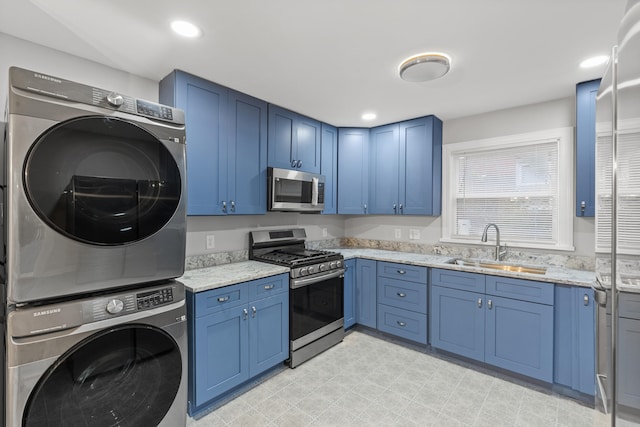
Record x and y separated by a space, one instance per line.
95 189
109 360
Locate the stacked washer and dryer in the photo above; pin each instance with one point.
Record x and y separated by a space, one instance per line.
94 222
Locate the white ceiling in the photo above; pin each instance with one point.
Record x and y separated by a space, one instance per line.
335 59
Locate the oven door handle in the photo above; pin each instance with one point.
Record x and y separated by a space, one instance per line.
298 283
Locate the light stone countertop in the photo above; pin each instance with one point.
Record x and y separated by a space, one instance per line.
554 274
204 279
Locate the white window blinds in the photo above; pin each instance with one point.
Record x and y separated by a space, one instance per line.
516 184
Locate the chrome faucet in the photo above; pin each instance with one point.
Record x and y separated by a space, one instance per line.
501 251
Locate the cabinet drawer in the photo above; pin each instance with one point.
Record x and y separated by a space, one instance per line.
402 294
402 271
402 323
218 299
263 288
462 280
525 290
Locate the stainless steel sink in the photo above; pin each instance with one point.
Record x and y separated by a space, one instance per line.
515 268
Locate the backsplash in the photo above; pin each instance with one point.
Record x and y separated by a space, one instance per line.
513 255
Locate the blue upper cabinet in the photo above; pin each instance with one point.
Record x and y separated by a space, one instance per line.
329 168
226 145
406 167
384 172
586 147
294 140
353 170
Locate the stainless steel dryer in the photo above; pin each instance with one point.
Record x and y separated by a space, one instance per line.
95 189
110 360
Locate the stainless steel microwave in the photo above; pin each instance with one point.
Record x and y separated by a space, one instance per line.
295 191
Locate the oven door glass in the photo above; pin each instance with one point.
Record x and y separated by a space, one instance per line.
315 306
102 180
123 376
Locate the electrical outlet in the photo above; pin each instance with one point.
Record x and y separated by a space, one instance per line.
211 241
414 234
398 233
324 232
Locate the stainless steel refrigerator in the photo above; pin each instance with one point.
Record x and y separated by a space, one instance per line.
617 288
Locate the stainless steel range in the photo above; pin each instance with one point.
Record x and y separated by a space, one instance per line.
316 297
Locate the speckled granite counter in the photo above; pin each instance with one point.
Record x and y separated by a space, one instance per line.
553 274
203 279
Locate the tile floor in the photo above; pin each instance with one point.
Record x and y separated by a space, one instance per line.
368 381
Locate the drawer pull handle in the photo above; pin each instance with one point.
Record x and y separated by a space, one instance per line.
268 287
586 297
402 294
223 299
479 302
402 272
403 324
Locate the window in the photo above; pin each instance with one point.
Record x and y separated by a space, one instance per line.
522 183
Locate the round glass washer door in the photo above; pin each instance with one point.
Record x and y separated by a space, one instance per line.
127 376
102 180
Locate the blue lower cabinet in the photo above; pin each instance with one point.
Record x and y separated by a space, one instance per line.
349 293
366 301
235 333
457 322
519 337
402 323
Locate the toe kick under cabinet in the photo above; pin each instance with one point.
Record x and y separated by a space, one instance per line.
235 333
402 300
501 321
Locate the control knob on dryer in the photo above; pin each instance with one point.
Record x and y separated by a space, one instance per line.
114 306
115 99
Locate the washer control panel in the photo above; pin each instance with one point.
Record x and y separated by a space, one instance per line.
154 298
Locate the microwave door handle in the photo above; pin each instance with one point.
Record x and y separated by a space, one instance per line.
314 191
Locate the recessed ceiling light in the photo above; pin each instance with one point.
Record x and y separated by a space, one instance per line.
369 116
186 29
594 61
424 67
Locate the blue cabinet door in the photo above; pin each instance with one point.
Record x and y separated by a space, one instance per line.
585 353
308 144
519 337
221 353
366 301
247 154
353 170
205 106
384 146
281 142
457 322
420 166
349 293
586 147
329 168
268 332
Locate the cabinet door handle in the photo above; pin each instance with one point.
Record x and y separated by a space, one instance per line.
245 313
293 163
223 299
585 298
583 207
253 311
479 302
403 324
401 272
224 206
299 164
395 207
365 208
401 294
489 304
269 287
401 207
233 206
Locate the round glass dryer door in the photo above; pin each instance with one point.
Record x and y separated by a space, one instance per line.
102 180
127 376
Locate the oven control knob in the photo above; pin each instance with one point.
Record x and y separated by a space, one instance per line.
115 99
312 269
115 306
323 267
339 263
332 265
303 271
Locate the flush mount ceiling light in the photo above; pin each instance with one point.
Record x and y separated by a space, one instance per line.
594 61
369 116
186 29
424 67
